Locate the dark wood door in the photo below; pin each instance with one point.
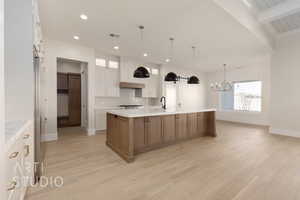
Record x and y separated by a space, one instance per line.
154 132
62 81
74 99
168 127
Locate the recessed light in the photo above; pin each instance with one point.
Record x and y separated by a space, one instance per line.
116 47
168 60
145 54
76 37
83 17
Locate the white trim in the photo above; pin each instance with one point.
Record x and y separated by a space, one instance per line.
290 133
243 121
91 131
49 137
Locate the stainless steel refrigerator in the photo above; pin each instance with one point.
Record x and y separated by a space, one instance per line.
38 151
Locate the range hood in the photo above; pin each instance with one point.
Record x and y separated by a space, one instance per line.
132 85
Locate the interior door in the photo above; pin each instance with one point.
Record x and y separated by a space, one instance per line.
74 99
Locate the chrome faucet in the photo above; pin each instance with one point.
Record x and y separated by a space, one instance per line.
163 102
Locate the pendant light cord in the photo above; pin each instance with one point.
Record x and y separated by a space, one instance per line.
142 37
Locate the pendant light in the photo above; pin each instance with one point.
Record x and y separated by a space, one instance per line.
169 59
224 86
115 37
142 72
171 77
193 79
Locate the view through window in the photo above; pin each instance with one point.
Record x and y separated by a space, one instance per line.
245 96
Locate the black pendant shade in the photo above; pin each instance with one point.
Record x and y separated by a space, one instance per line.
171 77
141 72
193 80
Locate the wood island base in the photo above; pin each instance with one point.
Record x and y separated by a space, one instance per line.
129 136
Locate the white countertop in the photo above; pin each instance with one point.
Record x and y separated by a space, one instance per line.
156 112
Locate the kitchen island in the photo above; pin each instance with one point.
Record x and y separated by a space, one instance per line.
134 131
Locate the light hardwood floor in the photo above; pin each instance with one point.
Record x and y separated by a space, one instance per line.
242 163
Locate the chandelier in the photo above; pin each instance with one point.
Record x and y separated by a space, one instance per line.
224 86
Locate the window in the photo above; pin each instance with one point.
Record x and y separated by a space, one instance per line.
245 96
113 64
154 71
100 62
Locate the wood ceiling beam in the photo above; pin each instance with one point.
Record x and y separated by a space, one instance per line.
279 11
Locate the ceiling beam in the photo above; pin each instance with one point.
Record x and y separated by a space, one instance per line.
279 11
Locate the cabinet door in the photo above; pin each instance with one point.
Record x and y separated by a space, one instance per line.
112 88
202 123
154 132
123 134
140 140
100 84
110 128
192 125
181 126
100 119
168 128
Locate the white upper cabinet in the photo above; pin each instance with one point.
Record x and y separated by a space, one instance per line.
107 80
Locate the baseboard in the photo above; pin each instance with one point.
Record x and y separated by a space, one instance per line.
242 122
49 137
285 132
91 131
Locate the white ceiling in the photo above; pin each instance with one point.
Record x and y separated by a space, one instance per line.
219 38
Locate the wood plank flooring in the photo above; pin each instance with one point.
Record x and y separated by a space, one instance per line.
242 163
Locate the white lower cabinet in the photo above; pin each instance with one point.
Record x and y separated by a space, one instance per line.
100 120
20 164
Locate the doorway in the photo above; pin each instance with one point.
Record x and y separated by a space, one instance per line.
71 94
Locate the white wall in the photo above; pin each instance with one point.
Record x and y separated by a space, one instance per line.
2 103
19 76
66 66
53 50
189 96
285 82
258 71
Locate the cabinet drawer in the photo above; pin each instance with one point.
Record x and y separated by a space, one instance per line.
14 165
28 153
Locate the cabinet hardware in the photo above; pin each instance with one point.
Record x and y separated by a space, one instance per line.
26 147
26 136
13 155
12 186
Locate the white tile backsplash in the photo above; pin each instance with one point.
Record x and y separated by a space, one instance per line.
127 96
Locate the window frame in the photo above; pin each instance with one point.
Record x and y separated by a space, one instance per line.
242 111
